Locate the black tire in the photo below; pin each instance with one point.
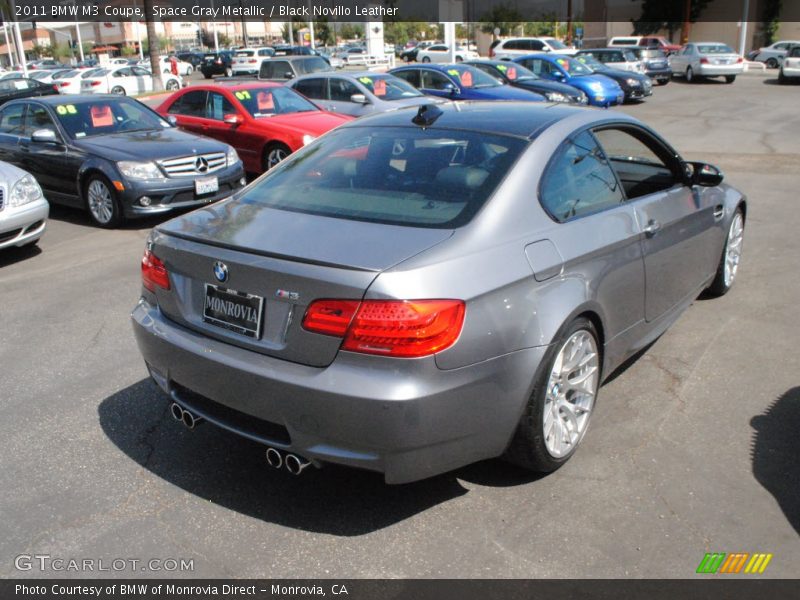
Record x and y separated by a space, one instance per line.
116 216
663 81
271 152
689 75
207 76
118 90
426 59
719 287
527 448
730 78
772 63
781 77
459 59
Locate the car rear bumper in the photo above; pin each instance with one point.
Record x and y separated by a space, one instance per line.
177 193
718 70
409 422
659 74
790 71
23 225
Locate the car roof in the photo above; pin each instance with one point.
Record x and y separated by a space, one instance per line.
76 99
512 118
236 85
435 66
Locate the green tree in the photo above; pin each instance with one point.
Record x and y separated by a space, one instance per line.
351 31
39 51
62 51
770 20
128 51
503 17
324 33
657 15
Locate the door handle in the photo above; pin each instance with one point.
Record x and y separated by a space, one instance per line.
719 212
652 228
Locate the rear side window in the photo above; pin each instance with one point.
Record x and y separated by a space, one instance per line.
11 119
312 65
191 104
396 175
411 76
275 69
579 180
313 88
341 90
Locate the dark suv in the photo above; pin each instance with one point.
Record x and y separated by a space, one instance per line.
285 68
217 63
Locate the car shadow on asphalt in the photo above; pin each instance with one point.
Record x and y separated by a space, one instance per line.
9 256
231 471
79 217
776 453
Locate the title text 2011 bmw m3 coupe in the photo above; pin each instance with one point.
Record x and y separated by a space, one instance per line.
422 289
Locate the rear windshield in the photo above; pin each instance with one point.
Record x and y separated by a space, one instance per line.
397 175
714 49
245 53
652 53
795 52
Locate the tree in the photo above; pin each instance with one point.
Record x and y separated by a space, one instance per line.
153 48
350 31
503 17
39 51
62 51
128 51
324 33
223 40
770 15
658 15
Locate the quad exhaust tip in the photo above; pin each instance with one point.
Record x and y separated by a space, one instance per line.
189 419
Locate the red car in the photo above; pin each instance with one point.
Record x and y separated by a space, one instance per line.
264 121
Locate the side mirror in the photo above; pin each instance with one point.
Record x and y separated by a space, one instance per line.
172 120
546 49
288 75
450 88
232 119
704 174
44 136
358 98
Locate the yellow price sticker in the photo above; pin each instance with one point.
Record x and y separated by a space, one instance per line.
366 80
453 72
64 109
243 95
501 67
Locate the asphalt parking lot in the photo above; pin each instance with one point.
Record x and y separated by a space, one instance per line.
693 448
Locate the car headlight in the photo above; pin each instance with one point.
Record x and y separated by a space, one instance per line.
139 170
307 139
24 191
556 97
596 86
232 157
633 82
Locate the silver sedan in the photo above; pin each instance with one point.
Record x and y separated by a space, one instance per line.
359 94
425 288
23 208
706 59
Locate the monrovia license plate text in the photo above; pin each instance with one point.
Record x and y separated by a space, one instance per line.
235 311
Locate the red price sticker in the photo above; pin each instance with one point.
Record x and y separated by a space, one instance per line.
265 101
466 79
101 116
379 87
511 73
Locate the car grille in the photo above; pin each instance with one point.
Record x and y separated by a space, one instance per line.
190 166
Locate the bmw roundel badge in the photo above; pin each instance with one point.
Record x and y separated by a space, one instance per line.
220 271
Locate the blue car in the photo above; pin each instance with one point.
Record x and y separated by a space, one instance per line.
461 82
601 90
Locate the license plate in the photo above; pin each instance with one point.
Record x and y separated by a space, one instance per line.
206 185
234 311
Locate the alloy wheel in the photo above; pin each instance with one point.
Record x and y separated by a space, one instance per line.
570 393
101 203
733 248
275 156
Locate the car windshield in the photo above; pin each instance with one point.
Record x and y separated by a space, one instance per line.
576 67
388 87
652 53
715 49
472 78
263 102
554 43
106 116
590 61
95 73
515 72
398 175
629 56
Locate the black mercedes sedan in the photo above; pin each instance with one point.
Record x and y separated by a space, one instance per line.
522 77
115 157
636 86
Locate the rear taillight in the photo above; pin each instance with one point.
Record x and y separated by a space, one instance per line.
740 60
95 83
401 328
154 273
63 83
703 61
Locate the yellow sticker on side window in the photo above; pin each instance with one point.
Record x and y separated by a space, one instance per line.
453 72
66 109
365 80
243 95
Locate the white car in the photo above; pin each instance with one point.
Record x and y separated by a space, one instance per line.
773 55
23 208
69 82
126 81
790 66
440 53
513 47
247 61
47 76
706 59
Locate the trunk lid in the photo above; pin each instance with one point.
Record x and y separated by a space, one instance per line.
287 259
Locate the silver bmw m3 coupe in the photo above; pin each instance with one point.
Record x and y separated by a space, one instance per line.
425 288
